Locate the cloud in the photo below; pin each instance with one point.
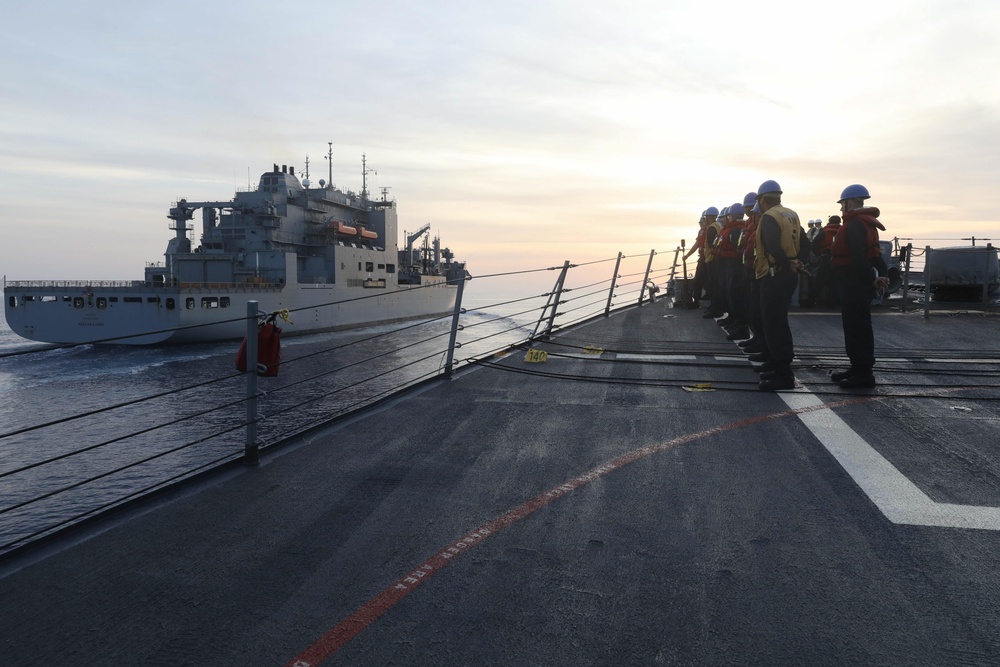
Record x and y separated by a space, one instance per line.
568 126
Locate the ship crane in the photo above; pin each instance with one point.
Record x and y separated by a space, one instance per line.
412 238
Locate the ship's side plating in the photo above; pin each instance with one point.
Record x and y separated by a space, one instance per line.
329 256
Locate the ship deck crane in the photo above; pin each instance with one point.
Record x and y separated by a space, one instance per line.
411 239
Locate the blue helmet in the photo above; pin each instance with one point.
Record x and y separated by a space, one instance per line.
750 199
737 210
725 211
756 208
768 188
711 210
855 191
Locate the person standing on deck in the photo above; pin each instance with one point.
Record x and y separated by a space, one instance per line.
748 245
858 268
698 284
731 264
712 228
776 267
826 291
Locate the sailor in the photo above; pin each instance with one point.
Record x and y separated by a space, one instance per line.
776 267
826 290
747 245
698 284
712 228
815 229
718 270
731 266
858 267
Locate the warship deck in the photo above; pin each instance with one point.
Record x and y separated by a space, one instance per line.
584 510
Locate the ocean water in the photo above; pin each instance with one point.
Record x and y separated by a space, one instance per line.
84 428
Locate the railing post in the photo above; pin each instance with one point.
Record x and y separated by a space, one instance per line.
645 278
986 278
614 283
553 301
907 253
250 450
927 282
559 290
673 267
454 326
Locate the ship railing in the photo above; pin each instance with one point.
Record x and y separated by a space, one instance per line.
71 284
933 277
103 455
254 283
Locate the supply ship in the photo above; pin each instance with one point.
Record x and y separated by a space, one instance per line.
331 258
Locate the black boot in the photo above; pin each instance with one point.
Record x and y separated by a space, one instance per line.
781 379
741 333
843 375
860 380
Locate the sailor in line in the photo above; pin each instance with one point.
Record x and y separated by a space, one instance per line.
859 271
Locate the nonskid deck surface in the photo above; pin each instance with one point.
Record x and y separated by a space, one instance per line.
584 510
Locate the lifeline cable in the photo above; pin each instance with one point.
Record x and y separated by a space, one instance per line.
24 539
120 469
133 434
170 392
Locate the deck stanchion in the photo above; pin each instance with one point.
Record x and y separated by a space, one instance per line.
645 278
553 303
684 277
250 450
559 290
614 283
927 282
907 254
454 325
986 278
673 267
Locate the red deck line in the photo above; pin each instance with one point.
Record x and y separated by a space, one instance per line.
350 627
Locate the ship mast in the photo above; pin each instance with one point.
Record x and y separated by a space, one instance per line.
329 158
364 176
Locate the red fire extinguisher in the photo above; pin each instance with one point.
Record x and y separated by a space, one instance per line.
268 349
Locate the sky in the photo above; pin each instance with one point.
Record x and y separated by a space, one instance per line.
526 133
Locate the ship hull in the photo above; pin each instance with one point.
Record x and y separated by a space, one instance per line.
74 313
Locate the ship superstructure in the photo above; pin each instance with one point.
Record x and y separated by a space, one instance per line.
330 257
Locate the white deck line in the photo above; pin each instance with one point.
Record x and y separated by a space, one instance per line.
893 493
905 360
657 357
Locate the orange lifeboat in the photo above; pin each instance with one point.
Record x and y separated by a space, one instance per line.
368 234
341 228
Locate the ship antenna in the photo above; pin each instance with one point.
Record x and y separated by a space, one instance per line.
364 176
307 166
329 158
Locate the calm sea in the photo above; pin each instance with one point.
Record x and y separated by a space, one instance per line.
183 429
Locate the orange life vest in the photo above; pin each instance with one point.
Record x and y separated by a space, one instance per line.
725 246
839 250
829 232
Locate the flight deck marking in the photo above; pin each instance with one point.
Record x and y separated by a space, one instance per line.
368 613
656 357
893 493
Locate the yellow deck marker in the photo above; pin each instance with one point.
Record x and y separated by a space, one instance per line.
536 356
